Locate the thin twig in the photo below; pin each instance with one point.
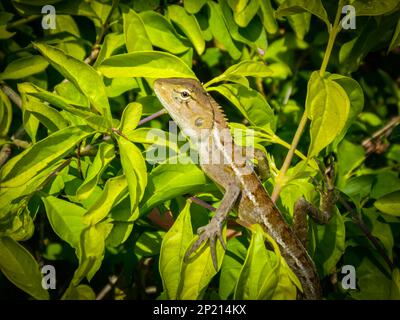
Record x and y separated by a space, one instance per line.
96 47
14 97
107 288
364 228
202 203
373 144
152 117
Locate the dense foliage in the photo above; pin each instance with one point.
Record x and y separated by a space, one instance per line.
81 189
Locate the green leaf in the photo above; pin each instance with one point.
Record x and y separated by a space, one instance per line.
96 122
71 7
373 283
356 96
189 25
258 276
389 204
22 227
300 24
81 75
66 25
149 244
386 182
111 43
72 95
117 86
231 267
66 219
161 33
5 17
395 42
252 35
5 114
268 17
24 67
327 105
167 181
199 271
380 230
193 6
30 123
114 190
91 251
245 14
330 244
103 157
250 103
315 7
136 38
81 292
373 8
134 169
350 156
173 249
148 64
287 284
130 117
220 31
14 200
246 68
47 115
23 167
395 289
19 266
374 33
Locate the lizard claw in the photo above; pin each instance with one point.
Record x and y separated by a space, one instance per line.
209 232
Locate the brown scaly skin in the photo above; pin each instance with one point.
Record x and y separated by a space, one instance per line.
198 115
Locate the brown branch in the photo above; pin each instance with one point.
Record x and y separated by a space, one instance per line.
374 143
364 228
112 281
14 97
152 117
202 203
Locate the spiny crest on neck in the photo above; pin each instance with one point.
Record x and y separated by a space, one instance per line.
219 114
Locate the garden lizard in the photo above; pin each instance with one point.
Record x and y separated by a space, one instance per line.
202 120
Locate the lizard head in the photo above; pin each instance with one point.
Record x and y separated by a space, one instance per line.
187 103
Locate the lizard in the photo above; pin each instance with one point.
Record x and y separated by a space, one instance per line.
203 122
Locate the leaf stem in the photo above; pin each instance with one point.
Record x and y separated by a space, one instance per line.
288 159
333 31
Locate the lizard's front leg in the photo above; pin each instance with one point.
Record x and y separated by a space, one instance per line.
213 230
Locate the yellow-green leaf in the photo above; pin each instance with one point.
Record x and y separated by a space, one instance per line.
189 25
19 266
327 106
149 64
24 67
82 75
23 167
136 38
389 204
173 248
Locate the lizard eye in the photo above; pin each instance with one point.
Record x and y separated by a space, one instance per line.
185 94
198 122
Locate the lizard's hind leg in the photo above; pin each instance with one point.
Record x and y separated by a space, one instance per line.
320 215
